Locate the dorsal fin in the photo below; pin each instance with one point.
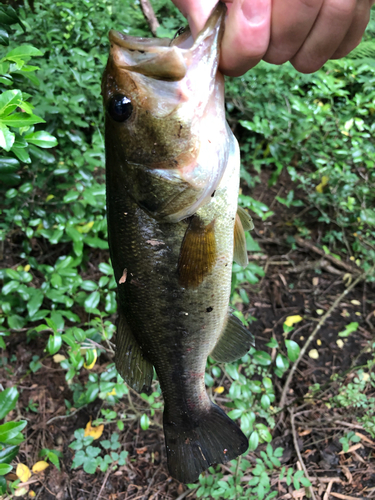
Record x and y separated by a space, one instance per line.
198 252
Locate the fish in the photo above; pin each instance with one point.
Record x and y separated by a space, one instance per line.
172 182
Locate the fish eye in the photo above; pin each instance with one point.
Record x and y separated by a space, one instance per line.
120 108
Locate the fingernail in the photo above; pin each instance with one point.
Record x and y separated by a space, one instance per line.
256 11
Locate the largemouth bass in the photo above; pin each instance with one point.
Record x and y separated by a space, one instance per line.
172 187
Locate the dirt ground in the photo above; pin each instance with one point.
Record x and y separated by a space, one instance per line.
298 281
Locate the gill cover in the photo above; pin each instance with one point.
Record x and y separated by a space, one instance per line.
171 150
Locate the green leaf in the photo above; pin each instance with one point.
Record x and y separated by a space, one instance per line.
54 344
9 100
6 137
293 350
92 300
262 358
145 422
10 430
35 302
254 441
8 165
23 52
4 37
4 469
8 454
16 322
41 139
8 400
22 120
8 15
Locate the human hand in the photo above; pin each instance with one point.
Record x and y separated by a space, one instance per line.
305 32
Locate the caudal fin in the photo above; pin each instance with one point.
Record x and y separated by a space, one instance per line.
193 445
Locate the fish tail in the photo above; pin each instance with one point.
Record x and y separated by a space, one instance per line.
196 442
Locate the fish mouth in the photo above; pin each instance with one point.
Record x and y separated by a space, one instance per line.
163 58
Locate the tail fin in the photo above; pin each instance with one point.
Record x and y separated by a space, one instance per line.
209 438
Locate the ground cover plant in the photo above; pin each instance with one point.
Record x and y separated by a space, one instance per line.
68 424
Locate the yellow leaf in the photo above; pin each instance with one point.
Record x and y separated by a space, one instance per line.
219 389
23 472
340 343
291 320
355 302
86 228
322 184
91 365
320 311
314 354
94 432
351 257
319 342
112 393
32 494
58 357
49 197
40 226
27 268
40 466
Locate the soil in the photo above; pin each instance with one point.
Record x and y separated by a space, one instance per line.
297 282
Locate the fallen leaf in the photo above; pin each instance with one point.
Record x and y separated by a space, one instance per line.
352 448
20 492
319 342
291 320
320 311
219 389
58 357
40 466
314 354
340 343
355 302
32 494
23 472
315 281
94 432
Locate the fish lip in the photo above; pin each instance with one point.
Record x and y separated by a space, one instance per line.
165 50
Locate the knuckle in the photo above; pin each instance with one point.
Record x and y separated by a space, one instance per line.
341 8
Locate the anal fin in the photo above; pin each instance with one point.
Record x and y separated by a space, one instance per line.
130 362
234 342
198 252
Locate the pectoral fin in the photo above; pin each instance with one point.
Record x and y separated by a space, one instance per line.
245 218
234 342
239 251
130 362
197 254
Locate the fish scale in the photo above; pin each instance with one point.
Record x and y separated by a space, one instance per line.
172 257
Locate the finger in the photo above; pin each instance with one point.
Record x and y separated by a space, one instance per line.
356 30
291 23
246 36
326 35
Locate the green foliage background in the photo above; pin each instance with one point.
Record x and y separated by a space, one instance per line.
52 201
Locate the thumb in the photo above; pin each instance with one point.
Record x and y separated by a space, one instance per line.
246 37
196 12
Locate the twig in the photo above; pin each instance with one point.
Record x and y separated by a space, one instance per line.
104 481
58 417
316 330
296 447
339 263
345 497
149 14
